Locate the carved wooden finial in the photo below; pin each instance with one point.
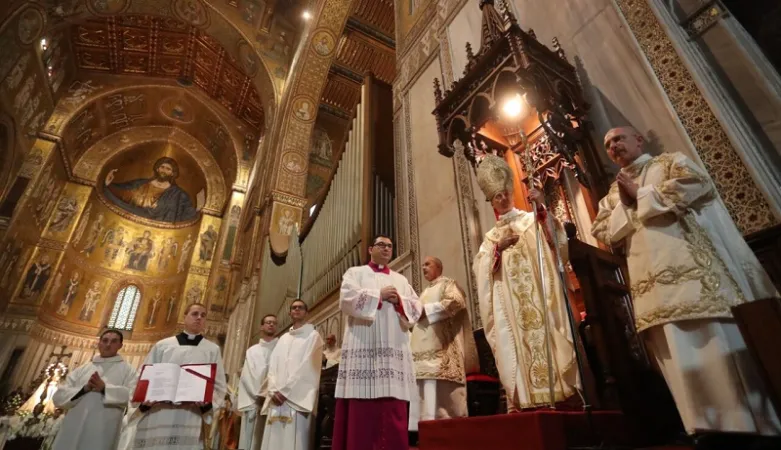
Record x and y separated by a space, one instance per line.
507 15
532 33
492 26
557 48
437 90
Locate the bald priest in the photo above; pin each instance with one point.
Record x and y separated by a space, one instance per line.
688 265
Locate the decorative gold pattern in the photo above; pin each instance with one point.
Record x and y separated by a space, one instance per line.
744 201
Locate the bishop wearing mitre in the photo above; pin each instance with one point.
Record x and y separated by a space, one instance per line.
292 384
510 292
443 349
253 375
688 265
95 396
167 426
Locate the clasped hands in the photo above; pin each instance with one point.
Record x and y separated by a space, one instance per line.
627 189
95 384
278 399
390 294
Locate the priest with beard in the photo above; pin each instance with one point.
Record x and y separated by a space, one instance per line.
688 265
168 426
157 198
510 290
376 379
253 375
292 385
95 397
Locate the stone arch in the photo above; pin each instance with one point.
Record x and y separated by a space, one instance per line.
292 132
95 158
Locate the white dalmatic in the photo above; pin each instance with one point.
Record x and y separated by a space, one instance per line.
294 372
444 351
376 355
177 427
253 375
93 419
688 266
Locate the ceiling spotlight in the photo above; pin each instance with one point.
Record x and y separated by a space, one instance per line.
306 15
513 107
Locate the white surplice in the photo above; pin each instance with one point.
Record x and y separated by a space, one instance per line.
376 355
688 265
170 427
93 420
512 308
444 351
253 374
294 372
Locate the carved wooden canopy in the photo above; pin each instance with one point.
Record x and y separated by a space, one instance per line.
513 63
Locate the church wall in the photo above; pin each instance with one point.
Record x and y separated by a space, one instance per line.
434 184
616 78
25 90
104 256
22 243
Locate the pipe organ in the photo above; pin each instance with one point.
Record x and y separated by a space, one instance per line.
333 243
384 209
359 204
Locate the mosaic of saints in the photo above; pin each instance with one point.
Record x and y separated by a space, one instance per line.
156 198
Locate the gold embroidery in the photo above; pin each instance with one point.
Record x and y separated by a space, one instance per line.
711 303
698 309
668 276
450 360
282 419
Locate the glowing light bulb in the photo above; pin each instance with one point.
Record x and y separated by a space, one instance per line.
44 44
513 107
306 15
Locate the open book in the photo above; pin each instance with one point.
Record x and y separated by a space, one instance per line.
166 382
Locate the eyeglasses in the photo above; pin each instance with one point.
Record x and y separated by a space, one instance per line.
383 245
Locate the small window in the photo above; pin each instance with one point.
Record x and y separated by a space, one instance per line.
125 307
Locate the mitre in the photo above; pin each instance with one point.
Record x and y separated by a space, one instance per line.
494 176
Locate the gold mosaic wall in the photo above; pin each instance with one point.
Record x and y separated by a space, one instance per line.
743 199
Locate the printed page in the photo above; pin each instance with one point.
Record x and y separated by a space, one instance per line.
163 379
192 388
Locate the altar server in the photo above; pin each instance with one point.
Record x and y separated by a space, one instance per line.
95 396
688 265
166 426
292 385
443 349
253 375
376 379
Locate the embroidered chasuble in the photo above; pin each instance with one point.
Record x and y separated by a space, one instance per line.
686 258
511 308
93 419
178 427
444 351
688 265
376 375
294 371
253 374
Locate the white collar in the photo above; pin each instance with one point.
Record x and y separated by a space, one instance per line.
265 342
510 214
305 328
100 359
637 163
